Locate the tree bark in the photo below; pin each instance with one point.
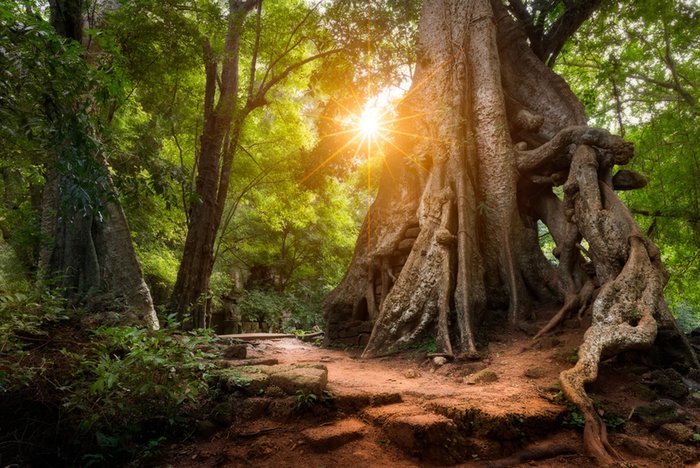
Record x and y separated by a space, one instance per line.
89 256
487 131
222 126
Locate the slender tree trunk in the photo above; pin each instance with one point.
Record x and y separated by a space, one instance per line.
222 126
487 131
223 122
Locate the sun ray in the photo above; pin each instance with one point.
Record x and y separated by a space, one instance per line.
417 136
329 158
414 159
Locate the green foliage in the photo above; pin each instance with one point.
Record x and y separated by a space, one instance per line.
304 401
427 346
573 418
285 311
49 93
24 317
133 385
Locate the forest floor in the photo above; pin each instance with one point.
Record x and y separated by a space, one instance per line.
408 410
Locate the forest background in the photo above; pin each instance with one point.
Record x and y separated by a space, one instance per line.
134 90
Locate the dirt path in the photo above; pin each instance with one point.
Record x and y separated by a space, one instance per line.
409 411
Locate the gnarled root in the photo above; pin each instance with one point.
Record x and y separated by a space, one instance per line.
625 311
574 301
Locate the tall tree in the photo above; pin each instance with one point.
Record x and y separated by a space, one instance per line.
486 133
89 251
224 116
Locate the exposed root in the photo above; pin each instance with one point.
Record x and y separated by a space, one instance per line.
573 302
625 311
548 153
534 453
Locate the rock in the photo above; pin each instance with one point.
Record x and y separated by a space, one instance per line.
251 362
229 340
677 432
482 377
695 397
223 413
331 437
439 360
249 380
694 374
207 428
530 329
274 391
236 351
535 372
411 374
307 379
428 436
667 382
637 446
660 412
282 408
642 391
261 448
253 408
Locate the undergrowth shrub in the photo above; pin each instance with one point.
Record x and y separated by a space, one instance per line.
71 396
24 317
133 386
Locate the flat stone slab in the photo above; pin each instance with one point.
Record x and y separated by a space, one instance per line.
250 362
331 437
293 378
249 380
257 336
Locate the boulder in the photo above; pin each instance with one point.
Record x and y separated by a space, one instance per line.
482 377
667 382
291 379
660 412
677 432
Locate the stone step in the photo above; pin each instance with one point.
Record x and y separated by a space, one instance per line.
330 437
507 421
421 434
252 380
350 399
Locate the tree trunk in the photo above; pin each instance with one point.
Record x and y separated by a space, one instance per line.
90 257
487 131
222 125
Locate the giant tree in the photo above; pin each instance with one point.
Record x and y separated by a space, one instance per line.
87 250
489 142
